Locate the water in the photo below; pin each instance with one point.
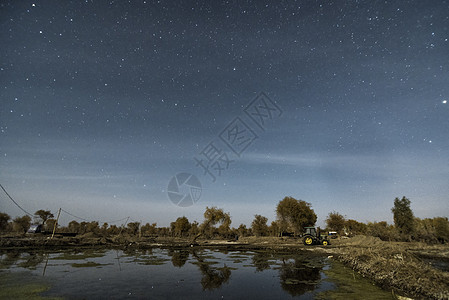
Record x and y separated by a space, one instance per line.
179 274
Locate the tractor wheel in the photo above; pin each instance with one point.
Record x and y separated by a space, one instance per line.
307 240
325 243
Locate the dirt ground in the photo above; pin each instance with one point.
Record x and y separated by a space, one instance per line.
417 270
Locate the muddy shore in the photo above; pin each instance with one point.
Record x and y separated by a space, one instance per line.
416 270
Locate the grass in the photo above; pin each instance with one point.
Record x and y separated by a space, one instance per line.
393 266
350 285
22 286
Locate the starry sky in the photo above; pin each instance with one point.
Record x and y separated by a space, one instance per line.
103 102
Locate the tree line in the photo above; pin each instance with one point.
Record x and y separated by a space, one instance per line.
292 216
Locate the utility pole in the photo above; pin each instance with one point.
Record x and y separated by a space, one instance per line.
56 224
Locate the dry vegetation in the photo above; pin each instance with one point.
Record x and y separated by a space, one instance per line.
397 265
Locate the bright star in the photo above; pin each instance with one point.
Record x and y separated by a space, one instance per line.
444 101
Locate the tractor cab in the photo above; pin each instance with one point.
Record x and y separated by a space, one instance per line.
312 236
310 231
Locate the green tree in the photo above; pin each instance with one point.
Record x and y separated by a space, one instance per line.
104 229
21 224
294 215
441 226
274 229
259 225
133 228
181 226
4 219
212 216
92 227
44 215
353 227
194 228
74 226
242 230
335 222
113 230
403 216
149 229
224 230
49 225
382 230
83 226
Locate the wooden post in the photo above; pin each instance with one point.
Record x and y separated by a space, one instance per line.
56 224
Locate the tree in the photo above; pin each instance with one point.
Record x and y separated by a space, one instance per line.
21 224
113 230
194 228
294 215
259 225
382 230
181 226
4 218
403 216
224 230
49 225
353 227
92 227
212 216
82 229
44 215
242 230
274 229
441 226
148 229
335 222
104 229
74 226
133 228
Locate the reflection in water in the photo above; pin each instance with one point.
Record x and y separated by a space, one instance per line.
9 258
137 252
297 277
178 257
117 257
260 261
213 278
28 260
46 264
171 273
32 260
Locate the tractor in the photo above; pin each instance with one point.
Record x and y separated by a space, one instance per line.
312 237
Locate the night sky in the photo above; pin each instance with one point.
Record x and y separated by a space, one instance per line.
102 103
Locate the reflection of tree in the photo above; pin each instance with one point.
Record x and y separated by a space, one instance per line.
32 260
213 278
8 258
178 257
260 261
137 252
29 261
298 278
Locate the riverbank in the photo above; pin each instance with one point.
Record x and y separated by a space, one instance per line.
409 269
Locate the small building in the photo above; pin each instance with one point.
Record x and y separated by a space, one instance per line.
35 229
